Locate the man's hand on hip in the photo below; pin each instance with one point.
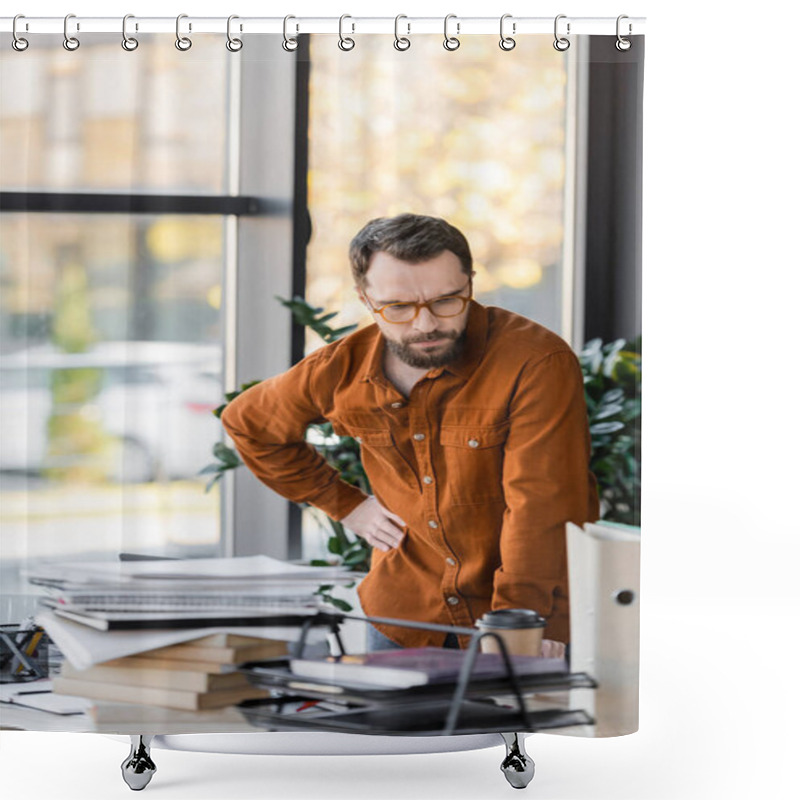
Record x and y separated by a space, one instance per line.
375 524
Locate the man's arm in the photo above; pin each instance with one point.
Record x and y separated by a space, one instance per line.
268 424
547 482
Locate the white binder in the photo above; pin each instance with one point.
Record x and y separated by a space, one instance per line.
604 621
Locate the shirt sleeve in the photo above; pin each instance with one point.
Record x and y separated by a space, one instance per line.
547 482
268 423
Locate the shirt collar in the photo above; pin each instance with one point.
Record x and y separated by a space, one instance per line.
464 366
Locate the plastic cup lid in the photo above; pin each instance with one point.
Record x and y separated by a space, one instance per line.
508 618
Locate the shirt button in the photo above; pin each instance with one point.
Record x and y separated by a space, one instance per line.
451 561
397 405
453 600
433 523
419 436
473 442
427 479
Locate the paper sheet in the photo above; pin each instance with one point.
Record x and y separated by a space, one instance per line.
83 646
39 695
240 568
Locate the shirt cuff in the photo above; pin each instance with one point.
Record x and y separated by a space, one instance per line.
338 499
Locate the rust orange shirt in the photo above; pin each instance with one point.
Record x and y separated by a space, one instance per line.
486 461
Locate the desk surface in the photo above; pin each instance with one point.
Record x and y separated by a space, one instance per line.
133 719
137 719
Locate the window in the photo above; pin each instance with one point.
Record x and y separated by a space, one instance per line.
111 340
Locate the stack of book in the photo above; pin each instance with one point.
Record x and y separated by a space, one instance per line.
194 676
168 634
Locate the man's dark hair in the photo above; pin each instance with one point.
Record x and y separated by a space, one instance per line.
408 237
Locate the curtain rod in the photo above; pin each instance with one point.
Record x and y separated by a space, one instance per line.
294 25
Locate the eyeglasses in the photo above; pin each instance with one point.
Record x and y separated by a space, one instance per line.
449 306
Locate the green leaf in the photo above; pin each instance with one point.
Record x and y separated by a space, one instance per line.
334 545
211 483
355 560
608 410
342 605
613 395
606 427
210 469
226 455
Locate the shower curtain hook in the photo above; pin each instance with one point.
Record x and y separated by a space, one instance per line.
345 42
561 43
401 42
451 42
70 42
506 42
18 43
289 43
183 43
622 43
233 44
128 42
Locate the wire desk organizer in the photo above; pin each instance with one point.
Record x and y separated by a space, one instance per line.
23 653
459 707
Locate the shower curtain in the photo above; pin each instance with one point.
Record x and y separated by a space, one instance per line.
176 221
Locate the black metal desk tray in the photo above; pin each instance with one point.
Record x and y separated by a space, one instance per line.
404 718
275 674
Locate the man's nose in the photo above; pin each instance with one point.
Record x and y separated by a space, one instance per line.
426 320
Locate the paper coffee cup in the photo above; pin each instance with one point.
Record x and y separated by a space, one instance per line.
521 629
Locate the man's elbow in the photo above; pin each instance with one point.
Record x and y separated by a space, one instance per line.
230 420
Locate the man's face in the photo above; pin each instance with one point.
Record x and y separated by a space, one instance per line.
426 341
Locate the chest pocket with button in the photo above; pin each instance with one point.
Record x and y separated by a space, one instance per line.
379 454
473 457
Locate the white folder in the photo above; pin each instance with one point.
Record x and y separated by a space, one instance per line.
604 622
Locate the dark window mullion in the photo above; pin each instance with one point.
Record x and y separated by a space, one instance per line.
85 203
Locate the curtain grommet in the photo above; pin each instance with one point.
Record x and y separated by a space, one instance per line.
622 44
346 43
560 43
182 43
70 43
506 42
129 43
401 43
17 41
289 43
451 43
234 45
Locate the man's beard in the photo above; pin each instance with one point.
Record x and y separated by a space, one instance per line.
445 353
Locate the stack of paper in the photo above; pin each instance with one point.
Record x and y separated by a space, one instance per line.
181 593
96 611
